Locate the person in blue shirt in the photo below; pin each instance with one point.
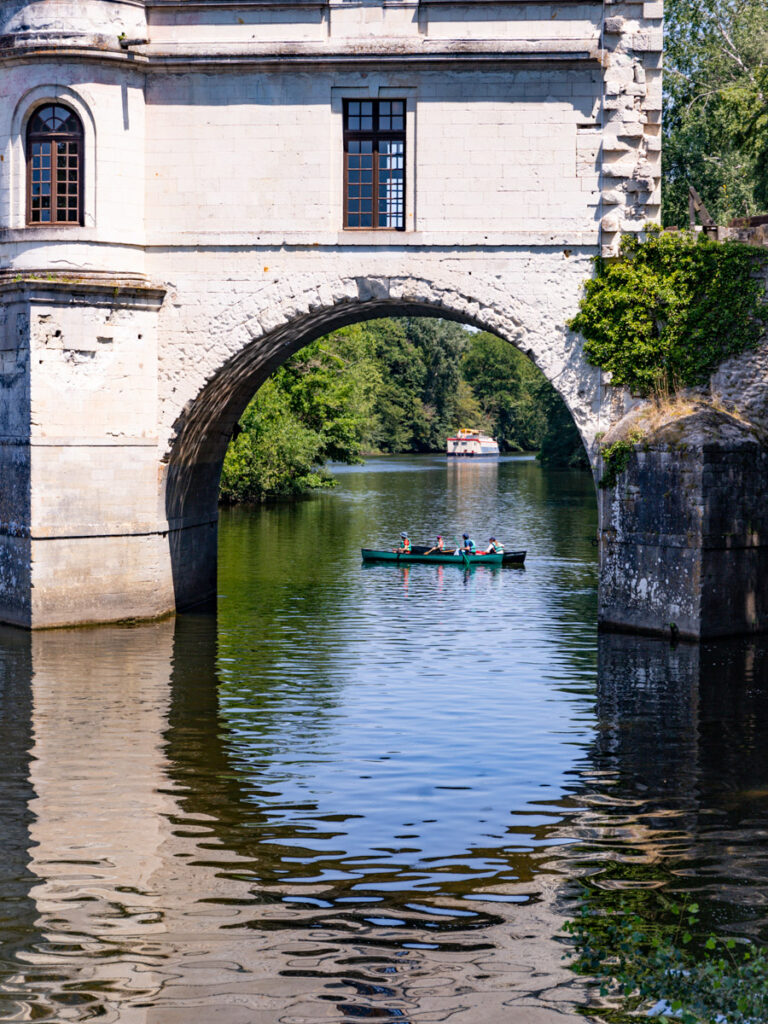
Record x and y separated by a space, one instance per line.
469 547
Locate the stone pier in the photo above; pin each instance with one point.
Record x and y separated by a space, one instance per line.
684 532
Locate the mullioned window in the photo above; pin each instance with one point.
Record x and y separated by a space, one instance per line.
54 166
374 164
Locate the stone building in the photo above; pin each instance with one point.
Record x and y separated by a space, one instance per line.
190 190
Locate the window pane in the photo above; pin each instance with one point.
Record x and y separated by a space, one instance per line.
391 185
54 165
379 203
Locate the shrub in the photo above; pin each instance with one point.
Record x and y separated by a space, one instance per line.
671 309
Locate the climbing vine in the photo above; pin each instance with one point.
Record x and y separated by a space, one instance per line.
616 457
671 308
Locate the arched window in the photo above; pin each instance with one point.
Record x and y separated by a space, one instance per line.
54 166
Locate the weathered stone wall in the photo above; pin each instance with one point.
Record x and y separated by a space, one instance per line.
631 125
79 494
684 533
15 479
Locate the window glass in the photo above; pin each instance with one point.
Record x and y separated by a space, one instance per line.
54 166
374 164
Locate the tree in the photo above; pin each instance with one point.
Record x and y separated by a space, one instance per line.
316 407
395 385
507 385
715 107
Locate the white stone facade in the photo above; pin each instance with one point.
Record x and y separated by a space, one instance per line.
212 241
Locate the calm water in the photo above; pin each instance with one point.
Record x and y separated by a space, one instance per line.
367 792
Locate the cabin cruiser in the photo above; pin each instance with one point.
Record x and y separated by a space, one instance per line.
472 442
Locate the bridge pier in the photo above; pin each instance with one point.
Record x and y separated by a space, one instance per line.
684 533
81 538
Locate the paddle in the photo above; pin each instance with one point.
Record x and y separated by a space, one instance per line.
463 554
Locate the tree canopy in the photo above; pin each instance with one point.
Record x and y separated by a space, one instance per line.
394 385
715 107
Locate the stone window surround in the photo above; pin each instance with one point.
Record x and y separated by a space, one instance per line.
377 89
16 215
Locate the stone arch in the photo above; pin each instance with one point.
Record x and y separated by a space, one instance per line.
248 338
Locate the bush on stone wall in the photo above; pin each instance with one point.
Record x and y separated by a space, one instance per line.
671 308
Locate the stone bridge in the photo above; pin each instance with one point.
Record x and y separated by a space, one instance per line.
191 190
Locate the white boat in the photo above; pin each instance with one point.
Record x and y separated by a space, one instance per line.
472 442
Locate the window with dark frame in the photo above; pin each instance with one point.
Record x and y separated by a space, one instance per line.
374 164
54 166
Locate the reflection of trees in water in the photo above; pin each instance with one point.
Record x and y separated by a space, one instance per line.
287 596
223 733
676 783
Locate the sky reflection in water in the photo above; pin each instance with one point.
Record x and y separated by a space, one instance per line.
365 792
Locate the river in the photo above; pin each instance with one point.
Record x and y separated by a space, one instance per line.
367 792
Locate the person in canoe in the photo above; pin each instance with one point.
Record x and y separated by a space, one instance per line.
494 547
405 545
468 546
438 548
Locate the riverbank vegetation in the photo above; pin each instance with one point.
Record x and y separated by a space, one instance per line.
664 315
671 308
391 386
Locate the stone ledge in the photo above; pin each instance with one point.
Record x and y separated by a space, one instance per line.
87 283
77 442
357 53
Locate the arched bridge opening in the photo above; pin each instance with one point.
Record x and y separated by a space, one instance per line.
203 430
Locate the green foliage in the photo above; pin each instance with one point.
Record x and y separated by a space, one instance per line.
508 387
715 108
671 309
561 445
395 385
616 457
418 362
314 408
648 953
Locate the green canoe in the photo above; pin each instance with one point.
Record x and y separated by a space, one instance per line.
445 558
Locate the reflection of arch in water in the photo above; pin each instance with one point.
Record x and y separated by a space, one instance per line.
18 918
130 739
151 877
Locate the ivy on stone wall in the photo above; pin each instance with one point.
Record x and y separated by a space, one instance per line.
671 308
616 457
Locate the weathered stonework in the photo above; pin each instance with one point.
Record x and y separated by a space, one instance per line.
631 128
684 532
212 243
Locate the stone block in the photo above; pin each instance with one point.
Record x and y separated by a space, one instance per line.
653 10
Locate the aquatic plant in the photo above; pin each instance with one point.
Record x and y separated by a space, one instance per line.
653 959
